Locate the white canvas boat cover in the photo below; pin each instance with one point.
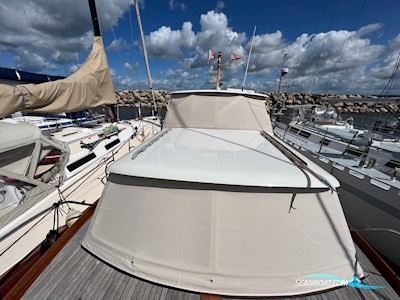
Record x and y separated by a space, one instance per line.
217 111
90 86
220 239
22 147
206 208
17 135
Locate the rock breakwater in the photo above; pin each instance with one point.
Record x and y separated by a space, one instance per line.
349 103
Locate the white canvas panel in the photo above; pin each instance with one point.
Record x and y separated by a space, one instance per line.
218 111
221 239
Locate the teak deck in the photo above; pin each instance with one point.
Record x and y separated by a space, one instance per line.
76 274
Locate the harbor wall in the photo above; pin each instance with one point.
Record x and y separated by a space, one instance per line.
349 103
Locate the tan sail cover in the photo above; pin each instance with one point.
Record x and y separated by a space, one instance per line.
218 111
90 86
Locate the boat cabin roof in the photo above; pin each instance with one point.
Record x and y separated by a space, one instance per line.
230 157
214 137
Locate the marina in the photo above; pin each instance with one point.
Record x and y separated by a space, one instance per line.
204 193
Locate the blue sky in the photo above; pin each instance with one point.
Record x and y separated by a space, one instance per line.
333 46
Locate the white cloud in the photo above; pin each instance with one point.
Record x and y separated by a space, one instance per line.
181 79
220 6
30 61
217 35
174 4
131 68
325 60
168 43
44 34
368 29
53 32
117 45
74 68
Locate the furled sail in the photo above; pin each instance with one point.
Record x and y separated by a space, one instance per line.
90 86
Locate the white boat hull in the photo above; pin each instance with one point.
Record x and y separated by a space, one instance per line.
85 185
371 207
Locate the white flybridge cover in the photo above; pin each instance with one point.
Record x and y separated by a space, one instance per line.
217 111
254 237
88 87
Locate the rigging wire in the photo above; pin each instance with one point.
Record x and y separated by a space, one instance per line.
59 25
78 39
380 116
357 19
115 39
392 77
316 29
26 232
101 163
313 74
131 23
132 35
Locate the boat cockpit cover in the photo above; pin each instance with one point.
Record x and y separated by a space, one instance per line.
217 111
17 135
217 234
220 239
23 146
88 87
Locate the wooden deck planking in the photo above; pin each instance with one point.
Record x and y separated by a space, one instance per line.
76 274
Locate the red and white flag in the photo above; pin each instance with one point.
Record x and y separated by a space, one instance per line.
211 54
235 56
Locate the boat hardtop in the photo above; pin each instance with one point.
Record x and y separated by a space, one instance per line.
202 142
233 157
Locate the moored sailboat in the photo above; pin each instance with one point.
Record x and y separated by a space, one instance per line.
44 181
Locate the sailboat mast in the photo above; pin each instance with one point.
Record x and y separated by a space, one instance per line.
146 61
97 32
218 82
95 20
248 58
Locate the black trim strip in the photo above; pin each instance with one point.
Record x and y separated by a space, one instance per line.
112 144
75 165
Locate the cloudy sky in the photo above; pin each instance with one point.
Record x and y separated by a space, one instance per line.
331 46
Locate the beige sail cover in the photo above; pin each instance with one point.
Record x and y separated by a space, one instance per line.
90 86
219 111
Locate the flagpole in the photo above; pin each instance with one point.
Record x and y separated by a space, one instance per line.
248 58
218 82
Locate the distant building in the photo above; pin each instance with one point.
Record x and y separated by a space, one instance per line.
15 77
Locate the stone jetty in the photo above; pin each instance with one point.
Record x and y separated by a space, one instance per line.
350 103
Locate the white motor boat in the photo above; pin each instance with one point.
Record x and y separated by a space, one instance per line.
215 203
369 177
